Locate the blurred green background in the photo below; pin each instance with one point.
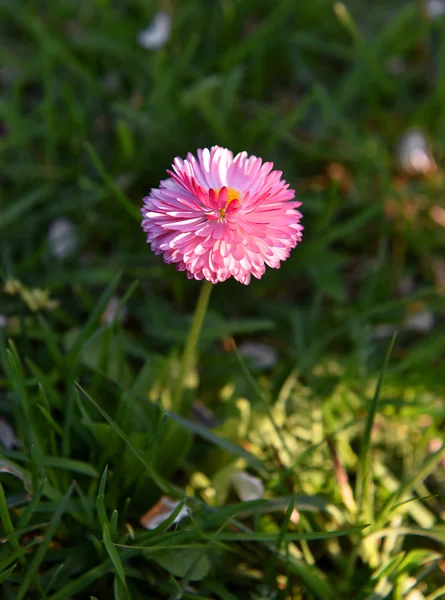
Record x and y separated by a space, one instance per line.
348 101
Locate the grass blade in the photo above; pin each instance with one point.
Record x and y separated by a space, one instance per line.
288 537
113 554
8 527
93 320
42 549
21 206
99 166
263 400
88 578
4 576
67 464
218 441
364 462
160 482
100 501
396 499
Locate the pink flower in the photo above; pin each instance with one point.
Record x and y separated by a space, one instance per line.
218 216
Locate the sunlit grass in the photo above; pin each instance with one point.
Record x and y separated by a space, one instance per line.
347 445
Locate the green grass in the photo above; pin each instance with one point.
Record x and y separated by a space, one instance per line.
344 440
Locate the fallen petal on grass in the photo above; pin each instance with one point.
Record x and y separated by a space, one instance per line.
247 486
260 355
157 33
161 511
422 321
7 435
414 156
62 238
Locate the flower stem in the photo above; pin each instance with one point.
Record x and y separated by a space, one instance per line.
188 356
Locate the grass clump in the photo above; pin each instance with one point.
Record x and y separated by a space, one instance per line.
339 434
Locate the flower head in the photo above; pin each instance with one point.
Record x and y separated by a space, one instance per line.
217 216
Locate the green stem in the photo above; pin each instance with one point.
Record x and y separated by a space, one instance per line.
190 347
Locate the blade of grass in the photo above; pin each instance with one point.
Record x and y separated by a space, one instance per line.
394 501
38 473
6 521
45 382
313 578
214 517
289 537
51 582
160 482
345 18
42 549
218 441
21 206
45 409
423 516
114 523
50 340
438 535
437 594
263 400
112 186
118 589
113 554
4 576
49 419
86 579
100 500
68 464
87 508
249 536
364 461
281 540
17 377
93 320
199 556
29 510
14 556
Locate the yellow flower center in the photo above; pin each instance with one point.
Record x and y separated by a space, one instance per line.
231 196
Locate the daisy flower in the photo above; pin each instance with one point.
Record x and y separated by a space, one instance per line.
217 216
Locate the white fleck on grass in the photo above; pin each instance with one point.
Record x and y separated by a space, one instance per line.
414 155
157 33
112 312
434 9
62 238
260 355
383 331
247 486
421 321
7 436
